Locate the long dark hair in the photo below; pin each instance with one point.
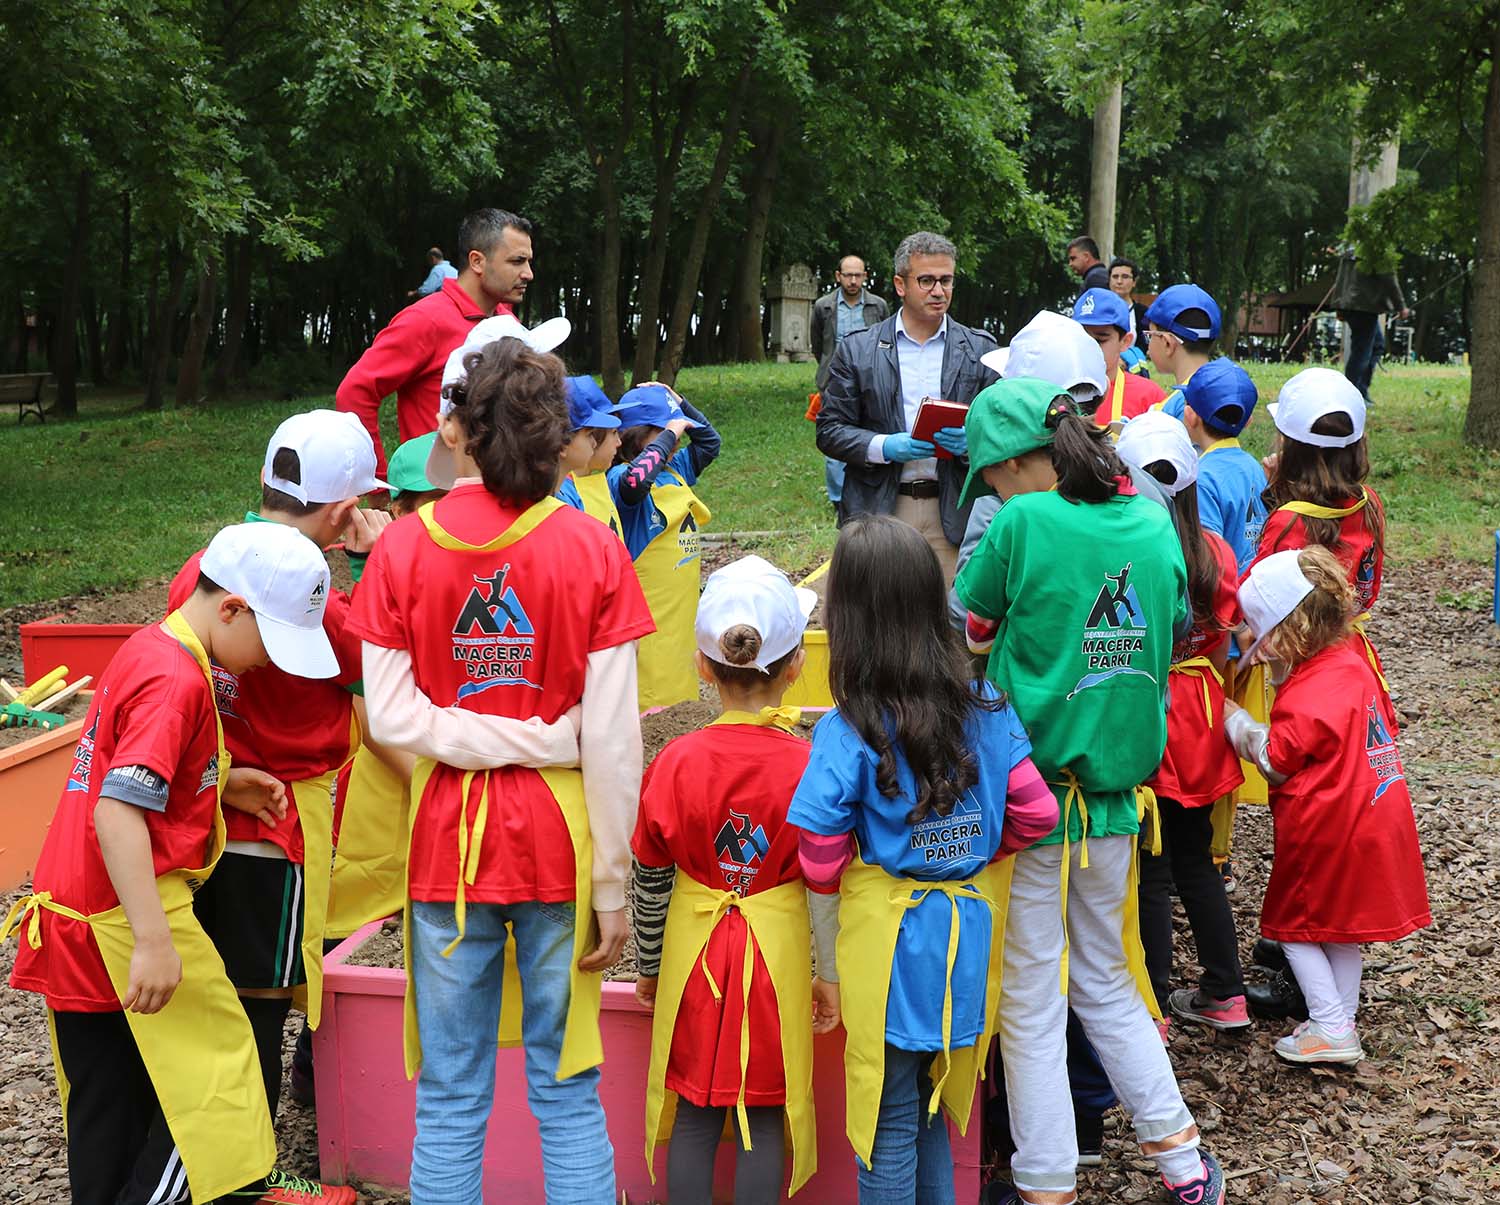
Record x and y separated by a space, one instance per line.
1203 569
1325 477
514 410
1082 455
898 674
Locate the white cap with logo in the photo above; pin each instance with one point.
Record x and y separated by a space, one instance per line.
1054 349
753 592
284 578
1312 394
334 452
1155 436
544 337
1270 592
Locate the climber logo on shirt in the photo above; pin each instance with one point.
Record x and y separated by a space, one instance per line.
740 844
83 758
493 636
689 540
1364 579
1114 633
945 841
1380 748
226 693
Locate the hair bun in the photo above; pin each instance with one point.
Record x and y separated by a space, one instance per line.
740 645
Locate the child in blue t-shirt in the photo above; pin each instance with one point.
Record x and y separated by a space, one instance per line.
1219 400
920 777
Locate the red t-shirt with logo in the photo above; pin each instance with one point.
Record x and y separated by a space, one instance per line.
1199 765
152 708
509 633
714 805
295 728
1361 556
1347 866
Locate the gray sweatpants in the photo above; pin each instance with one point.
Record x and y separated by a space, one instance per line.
1034 1012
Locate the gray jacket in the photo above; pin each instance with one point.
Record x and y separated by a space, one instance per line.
825 326
862 399
1365 292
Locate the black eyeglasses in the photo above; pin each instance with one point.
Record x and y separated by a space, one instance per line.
928 283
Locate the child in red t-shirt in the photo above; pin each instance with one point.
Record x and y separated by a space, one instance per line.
1338 796
1198 766
713 822
499 629
156 1063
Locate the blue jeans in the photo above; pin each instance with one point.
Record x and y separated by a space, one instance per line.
910 1163
458 1015
1366 344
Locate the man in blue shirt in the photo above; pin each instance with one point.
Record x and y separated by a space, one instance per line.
439 270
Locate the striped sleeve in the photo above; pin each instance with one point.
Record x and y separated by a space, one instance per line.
648 909
823 858
1030 809
980 633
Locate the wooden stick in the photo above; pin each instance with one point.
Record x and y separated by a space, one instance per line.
10 692
63 695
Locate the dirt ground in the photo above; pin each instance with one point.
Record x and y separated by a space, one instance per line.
1418 1122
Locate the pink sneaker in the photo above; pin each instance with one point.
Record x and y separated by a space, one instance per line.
1230 1014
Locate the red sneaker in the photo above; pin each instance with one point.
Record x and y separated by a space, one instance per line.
284 1189
1227 1014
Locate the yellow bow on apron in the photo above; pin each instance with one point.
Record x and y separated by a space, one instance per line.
1130 926
670 573
872 904
594 493
776 923
198 1049
369 865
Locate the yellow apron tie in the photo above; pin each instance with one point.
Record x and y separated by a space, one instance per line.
1200 668
1359 623
1116 408
525 523
785 718
1072 797
1313 511
1146 806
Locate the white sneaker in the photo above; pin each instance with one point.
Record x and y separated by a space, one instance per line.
1311 1043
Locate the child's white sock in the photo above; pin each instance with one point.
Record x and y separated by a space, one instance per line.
1180 1164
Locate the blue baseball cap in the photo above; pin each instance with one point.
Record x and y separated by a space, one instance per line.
1100 307
588 405
1171 302
1222 394
649 405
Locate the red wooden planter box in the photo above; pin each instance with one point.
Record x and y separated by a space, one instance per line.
32 776
85 648
366 1106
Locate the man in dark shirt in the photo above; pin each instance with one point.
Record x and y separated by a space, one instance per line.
1083 258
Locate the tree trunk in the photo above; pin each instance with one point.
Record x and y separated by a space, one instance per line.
95 342
606 286
692 267
118 348
745 309
1482 420
65 332
200 327
163 315
710 344
668 160
241 276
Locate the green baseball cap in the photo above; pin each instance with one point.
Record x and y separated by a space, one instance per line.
1007 419
407 472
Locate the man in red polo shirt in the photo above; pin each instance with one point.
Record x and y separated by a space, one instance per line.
407 357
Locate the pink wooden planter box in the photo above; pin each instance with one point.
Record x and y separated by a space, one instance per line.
366 1106
85 648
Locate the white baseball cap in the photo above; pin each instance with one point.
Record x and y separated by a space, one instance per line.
284 578
335 453
1155 436
752 591
1311 394
1054 349
1270 592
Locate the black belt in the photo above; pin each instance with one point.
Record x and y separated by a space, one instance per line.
918 489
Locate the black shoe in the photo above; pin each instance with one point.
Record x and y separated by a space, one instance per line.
1268 954
1090 1130
1280 999
300 1085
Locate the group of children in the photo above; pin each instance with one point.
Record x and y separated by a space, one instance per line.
984 852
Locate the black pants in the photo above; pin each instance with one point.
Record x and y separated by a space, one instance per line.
1365 346
695 1145
1187 860
120 1151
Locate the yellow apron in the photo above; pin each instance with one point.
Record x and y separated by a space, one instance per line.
777 924
369 865
1114 406
594 492
198 1050
669 569
872 904
314 798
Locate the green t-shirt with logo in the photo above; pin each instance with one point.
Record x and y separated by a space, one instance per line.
1087 595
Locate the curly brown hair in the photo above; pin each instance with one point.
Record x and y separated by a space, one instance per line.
513 407
1321 619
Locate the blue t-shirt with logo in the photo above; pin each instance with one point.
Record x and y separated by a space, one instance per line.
645 522
1230 483
838 795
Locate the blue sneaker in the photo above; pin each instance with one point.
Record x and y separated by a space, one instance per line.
1207 1189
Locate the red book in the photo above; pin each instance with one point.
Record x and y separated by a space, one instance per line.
933 415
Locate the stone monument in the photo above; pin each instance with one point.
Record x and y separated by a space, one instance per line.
790 296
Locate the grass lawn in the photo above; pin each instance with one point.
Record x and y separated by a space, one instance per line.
116 497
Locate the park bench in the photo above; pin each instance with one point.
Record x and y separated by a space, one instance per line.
25 389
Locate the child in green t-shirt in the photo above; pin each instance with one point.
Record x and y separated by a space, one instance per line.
1075 591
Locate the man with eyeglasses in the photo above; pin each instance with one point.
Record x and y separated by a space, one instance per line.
836 315
876 383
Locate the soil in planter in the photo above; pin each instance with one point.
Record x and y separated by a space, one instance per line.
73 709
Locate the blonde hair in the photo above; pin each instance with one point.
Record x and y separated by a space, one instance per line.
1321 619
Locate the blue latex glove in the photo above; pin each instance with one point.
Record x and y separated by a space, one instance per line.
901 447
952 439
